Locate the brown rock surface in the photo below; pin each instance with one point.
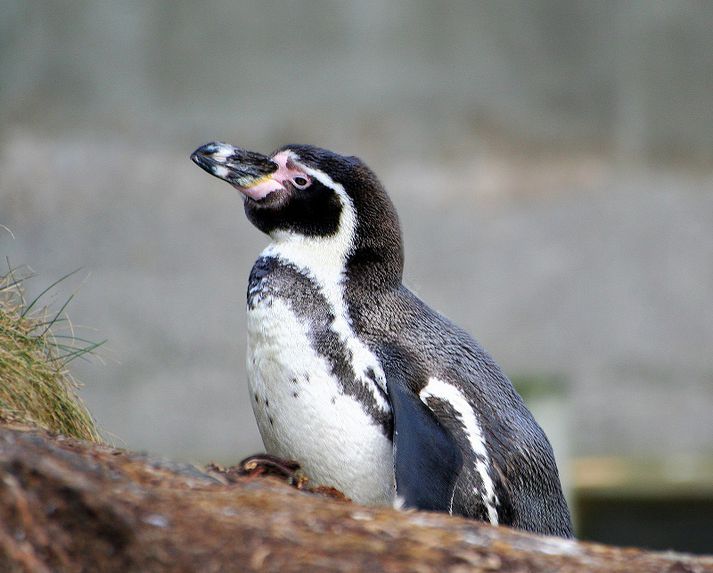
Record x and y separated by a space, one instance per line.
67 505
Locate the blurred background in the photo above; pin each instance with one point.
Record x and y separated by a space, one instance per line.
551 161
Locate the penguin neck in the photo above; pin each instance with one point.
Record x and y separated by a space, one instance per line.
321 260
365 250
375 268
328 263
376 260
348 278
321 257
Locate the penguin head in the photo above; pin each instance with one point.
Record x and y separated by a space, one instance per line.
313 198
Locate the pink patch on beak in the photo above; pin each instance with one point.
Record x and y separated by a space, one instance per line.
275 182
262 189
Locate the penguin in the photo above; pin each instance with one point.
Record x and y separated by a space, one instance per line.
352 375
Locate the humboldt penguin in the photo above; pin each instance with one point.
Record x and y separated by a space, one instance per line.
357 379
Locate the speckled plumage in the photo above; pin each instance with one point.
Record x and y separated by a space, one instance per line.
355 377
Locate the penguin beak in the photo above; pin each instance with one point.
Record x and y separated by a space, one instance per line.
249 172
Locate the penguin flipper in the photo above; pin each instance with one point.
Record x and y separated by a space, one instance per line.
427 460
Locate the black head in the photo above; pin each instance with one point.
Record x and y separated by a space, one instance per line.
311 196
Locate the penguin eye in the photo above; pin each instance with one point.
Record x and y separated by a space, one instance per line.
301 182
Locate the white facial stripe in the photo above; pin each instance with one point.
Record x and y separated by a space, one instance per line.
440 390
324 259
326 256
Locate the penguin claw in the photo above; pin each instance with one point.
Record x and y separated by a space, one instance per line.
269 465
263 465
260 465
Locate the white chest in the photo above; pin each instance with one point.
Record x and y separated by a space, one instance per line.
303 413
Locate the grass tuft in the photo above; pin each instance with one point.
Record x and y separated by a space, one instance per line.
36 386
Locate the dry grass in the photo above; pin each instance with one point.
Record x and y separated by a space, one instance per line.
35 384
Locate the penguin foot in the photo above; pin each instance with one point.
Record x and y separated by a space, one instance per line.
260 465
269 465
263 465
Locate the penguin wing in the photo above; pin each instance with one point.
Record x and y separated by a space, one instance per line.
427 460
